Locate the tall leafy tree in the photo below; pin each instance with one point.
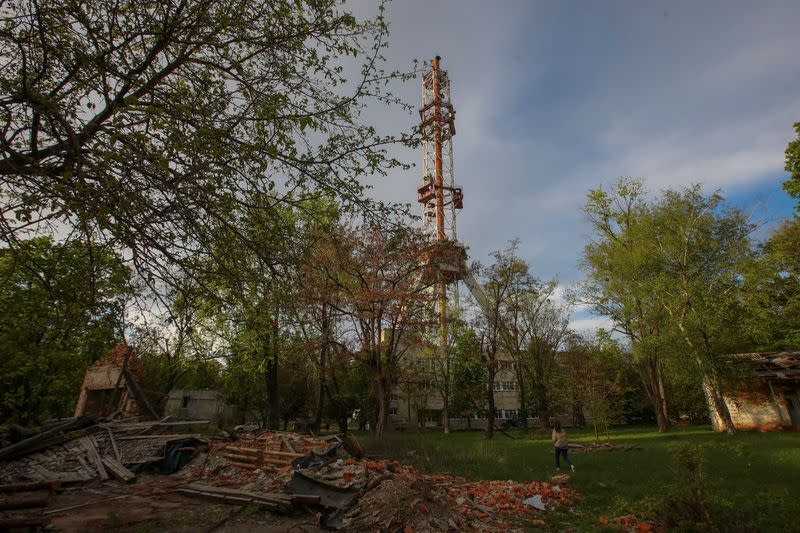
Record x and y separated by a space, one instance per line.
622 270
62 308
704 251
593 380
792 185
773 290
382 294
152 126
468 373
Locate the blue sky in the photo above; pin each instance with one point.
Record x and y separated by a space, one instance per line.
556 98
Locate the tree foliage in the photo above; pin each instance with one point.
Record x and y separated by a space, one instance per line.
380 280
773 290
62 309
792 185
152 126
621 272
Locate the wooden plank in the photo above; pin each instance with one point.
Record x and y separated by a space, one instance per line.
114 444
94 457
66 477
233 499
274 461
118 470
148 425
251 451
271 497
306 498
175 436
240 458
54 511
283 454
42 440
25 503
287 444
248 466
25 487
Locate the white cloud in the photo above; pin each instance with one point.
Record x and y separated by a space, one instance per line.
590 325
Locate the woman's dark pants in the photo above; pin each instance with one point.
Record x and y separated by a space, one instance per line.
560 452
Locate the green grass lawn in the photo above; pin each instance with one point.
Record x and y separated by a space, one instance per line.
752 480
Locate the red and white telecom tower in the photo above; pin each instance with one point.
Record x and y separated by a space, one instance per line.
438 195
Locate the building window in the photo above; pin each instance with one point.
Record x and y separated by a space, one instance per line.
184 402
393 410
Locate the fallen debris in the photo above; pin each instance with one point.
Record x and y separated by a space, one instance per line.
285 473
26 496
272 501
93 451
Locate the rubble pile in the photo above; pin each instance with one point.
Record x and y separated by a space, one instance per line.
374 495
98 451
255 457
419 502
284 473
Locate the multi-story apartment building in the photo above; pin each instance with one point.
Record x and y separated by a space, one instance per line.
417 401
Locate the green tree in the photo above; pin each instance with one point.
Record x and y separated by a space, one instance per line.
773 290
382 298
622 270
704 251
151 126
175 343
469 375
62 308
792 185
593 380
498 281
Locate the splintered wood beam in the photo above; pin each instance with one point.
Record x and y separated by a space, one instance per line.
255 451
283 454
118 470
25 487
94 457
241 458
248 466
25 503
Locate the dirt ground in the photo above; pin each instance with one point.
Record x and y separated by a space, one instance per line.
151 504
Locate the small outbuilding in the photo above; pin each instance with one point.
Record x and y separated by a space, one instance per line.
198 405
769 401
111 387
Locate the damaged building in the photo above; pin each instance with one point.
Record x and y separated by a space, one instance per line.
111 387
771 399
198 405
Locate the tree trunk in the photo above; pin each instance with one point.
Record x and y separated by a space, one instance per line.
542 403
716 403
653 384
323 361
273 398
490 400
661 392
523 402
383 401
445 415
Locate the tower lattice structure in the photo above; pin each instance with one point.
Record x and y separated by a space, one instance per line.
438 195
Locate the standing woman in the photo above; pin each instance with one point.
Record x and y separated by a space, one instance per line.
561 445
